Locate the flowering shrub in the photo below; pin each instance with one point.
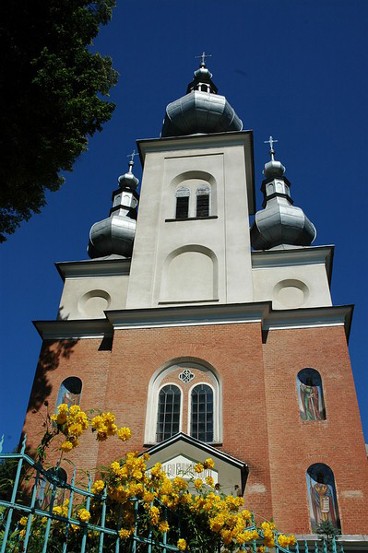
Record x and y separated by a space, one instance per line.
145 505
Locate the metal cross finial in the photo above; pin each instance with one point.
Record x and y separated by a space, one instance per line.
271 141
204 56
132 155
131 162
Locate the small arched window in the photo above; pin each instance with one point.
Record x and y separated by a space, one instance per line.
322 498
51 488
310 395
203 201
201 425
70 391
168 414
182 203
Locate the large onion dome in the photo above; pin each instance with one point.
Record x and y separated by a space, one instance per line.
201 110
115 235
280 223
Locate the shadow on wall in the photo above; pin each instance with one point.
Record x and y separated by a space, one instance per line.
51 354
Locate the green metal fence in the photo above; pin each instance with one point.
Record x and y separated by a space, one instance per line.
30 523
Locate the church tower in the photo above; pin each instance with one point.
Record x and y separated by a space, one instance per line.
209 336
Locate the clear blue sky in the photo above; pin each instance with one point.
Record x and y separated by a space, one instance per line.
296 69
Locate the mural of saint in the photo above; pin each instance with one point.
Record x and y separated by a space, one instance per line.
322 496
70 391
310 395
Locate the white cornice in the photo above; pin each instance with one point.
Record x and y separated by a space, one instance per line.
69 330
93 267
199 315
295 256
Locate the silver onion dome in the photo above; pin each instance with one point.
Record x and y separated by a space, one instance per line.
280 223
115 234
201 110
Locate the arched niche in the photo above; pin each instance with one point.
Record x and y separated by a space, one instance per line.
190 274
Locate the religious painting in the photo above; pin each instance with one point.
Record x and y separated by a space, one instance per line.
310 395
70 391
322 498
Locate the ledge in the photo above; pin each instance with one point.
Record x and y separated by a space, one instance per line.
199 315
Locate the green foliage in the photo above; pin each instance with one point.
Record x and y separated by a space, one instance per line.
50 86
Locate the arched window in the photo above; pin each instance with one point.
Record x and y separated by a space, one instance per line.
201 420
51 488
182 203
70 391
168 414
322 498
203 201
310 395
184 396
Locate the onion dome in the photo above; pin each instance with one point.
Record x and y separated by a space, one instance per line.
201 110
280 223
115 235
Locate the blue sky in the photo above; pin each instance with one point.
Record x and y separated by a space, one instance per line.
296 69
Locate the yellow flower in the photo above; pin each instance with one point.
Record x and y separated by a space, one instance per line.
68 445
198 468
83 515
209 463
164 526
98 486
154 513
22 533
198 483
23 521
124 534
210 481
124 433
181 544
285 541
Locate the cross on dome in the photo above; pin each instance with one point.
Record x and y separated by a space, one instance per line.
131 162
271 141
203 57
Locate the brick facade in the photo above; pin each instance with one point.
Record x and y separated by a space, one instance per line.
261 424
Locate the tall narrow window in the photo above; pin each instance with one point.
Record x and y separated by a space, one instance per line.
201 426
203 201
70 391
322 498
182 203
168 415
310 395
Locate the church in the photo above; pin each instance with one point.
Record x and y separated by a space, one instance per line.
209 335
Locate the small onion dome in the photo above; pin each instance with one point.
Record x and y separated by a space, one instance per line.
128 180
115 234
273 169
280 223
201 110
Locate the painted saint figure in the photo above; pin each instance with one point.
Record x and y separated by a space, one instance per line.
310 395
322 496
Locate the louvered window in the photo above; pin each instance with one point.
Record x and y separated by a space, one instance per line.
203 201
182 203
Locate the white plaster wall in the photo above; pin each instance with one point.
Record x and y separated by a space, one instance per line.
89 297
292 287
225 239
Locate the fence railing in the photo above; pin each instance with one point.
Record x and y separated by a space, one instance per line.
37 515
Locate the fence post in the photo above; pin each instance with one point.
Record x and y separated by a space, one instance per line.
14 495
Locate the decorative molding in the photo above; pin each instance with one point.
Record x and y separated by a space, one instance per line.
199 315
295 256
74 329
94 268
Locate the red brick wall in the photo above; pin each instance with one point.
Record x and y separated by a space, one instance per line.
261 422
296 444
